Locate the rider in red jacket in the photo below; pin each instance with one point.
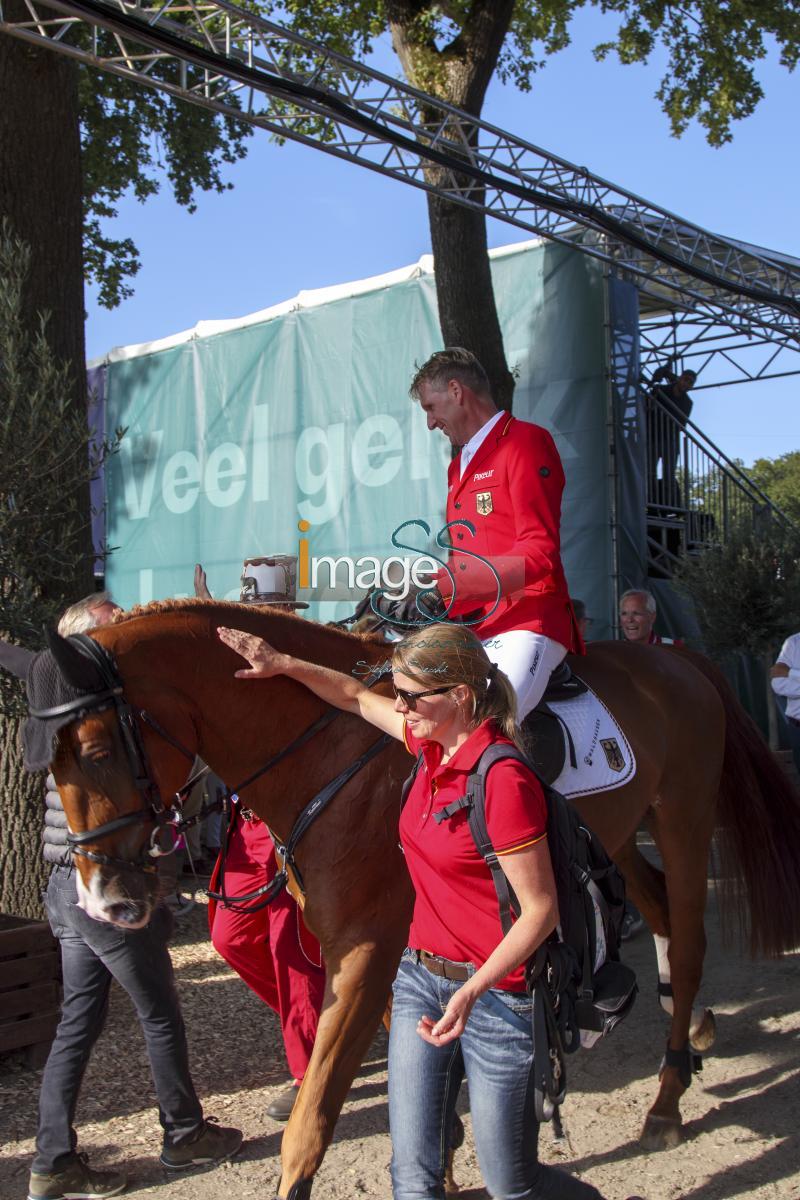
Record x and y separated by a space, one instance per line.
505 579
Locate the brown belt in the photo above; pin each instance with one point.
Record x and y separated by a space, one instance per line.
445 968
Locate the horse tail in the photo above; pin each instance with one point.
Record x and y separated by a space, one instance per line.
758 831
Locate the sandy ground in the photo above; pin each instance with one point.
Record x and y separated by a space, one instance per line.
741 1115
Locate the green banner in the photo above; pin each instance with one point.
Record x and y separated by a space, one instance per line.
244 439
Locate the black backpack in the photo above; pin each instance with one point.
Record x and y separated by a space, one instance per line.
580 989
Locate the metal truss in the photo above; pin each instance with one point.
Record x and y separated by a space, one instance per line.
721 355
217 55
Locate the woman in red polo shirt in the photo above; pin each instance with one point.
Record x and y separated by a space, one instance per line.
460 1006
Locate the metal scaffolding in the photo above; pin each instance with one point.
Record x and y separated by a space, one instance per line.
216 55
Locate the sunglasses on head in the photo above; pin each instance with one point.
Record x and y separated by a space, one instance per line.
410 698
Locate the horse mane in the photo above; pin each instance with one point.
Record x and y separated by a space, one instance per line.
194 604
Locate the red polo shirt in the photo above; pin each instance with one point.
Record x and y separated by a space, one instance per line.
456 913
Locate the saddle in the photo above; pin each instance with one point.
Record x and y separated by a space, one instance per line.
546 738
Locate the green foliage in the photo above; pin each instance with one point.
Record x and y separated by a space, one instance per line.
779 478
129 135
451 49
44 529
746 592
713 47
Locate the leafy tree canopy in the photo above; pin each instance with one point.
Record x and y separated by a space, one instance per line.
451 48
779 478
746 592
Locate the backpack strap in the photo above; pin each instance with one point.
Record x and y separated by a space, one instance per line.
409 783
474 802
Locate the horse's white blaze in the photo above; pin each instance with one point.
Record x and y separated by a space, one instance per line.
97 906
662 954
91 899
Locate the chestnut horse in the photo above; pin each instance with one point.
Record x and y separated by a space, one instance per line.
701 764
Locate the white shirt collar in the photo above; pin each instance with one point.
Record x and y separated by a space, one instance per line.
470 448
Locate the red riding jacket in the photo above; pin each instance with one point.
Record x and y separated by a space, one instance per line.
511 494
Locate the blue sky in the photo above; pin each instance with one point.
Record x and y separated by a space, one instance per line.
297 219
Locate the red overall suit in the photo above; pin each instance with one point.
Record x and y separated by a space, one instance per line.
271 949
511 493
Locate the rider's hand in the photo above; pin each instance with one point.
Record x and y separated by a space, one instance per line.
779 671
419 607
265 661
451 1025
201 584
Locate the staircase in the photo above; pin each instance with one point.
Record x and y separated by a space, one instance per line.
695 494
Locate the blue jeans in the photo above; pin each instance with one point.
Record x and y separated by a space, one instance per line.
495 1052
92 952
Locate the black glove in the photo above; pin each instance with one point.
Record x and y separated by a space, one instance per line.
419 607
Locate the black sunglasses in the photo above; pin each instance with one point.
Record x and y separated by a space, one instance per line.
410 698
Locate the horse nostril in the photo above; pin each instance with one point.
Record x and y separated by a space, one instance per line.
125 914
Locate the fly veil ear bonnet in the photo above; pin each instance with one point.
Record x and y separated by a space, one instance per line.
59 680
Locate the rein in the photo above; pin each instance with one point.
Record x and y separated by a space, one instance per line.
154 809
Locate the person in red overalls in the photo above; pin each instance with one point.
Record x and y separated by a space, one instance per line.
270 948
507 482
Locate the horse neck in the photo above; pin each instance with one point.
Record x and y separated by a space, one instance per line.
240 724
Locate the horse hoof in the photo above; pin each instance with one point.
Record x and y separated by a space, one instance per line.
661 1133
702 1038
451 1188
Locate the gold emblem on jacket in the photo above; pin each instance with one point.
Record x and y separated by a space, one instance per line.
483 500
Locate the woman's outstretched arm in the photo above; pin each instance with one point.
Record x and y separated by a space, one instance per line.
334 687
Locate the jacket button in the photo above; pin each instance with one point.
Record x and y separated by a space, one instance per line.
458 504
460 537
462 566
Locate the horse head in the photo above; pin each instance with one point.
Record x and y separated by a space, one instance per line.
115 767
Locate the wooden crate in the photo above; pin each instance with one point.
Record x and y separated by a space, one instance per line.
30 993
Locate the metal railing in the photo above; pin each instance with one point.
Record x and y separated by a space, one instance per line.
695 495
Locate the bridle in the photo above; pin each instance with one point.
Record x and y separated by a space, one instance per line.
111 695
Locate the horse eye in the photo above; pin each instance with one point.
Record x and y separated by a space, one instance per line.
98 757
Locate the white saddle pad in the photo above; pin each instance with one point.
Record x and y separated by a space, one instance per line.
604 755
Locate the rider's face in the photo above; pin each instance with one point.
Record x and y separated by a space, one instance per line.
637 623
444 410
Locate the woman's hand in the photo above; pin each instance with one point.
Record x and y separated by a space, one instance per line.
265 661
451 1025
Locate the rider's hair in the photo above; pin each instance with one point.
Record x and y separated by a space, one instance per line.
452 363
649 598
79 617
442 654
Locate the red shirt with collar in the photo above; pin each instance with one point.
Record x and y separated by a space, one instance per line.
456 913
656 640
511 493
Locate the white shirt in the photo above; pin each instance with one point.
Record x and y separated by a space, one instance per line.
789 685
470 449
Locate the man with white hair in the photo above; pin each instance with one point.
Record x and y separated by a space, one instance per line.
637 616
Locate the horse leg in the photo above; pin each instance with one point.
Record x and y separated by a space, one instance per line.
645 884
355 999
684 850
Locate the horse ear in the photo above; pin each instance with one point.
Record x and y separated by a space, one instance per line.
15 659
76 669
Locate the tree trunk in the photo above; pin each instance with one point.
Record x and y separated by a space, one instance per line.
40 194
40 188
467 309
459 73
24 871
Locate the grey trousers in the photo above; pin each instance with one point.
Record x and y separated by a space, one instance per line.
92 953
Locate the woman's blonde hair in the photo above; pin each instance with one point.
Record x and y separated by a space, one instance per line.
441 654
